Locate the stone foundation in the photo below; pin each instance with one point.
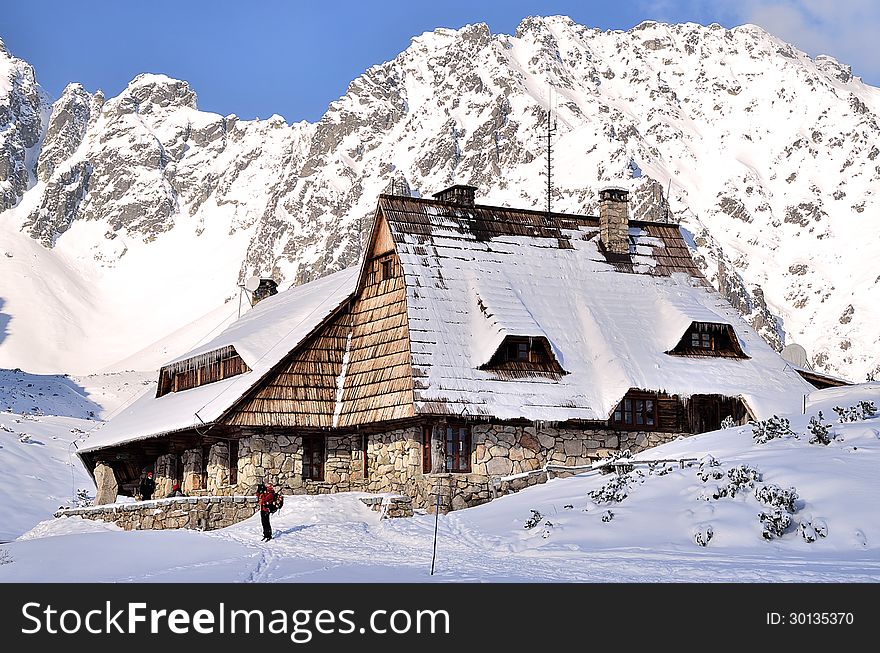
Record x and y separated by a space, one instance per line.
198 513
205 513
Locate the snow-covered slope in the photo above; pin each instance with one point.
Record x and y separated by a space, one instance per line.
651 535
152 211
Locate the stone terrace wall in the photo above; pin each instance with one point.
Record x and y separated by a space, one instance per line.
199 513
395 460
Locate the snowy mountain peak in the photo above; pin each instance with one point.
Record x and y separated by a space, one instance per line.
768 158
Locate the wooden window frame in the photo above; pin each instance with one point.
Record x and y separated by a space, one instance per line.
459 460
314 457
638 419
460 437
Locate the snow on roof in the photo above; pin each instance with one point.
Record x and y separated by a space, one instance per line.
609 324
262 337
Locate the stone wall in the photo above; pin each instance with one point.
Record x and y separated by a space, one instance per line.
218 469
192 471
277 459
164 474
205 513
395 460
201 513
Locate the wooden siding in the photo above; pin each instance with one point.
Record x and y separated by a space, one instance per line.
378 379
302 390
377 382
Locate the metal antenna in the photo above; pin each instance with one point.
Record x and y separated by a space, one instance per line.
551 129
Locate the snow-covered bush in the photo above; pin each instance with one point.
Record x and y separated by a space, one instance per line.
705 475
769 429
532 521
741 477
5 558
774 523
547 526
24 438
778 497
617 489
705 472
703 534
728 423
861 411
83 500
744 476
820 432
813 530
607 516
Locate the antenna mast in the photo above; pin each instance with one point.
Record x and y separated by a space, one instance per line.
551 129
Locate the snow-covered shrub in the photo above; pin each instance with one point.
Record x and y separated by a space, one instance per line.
741 477
769 429
83 500
813 530
861 411
774 523
705 475
703 534
607 516
532 521
659 469
547 526
568 506
709 461
820 432
617 489
778 497
5 558
728 423
744 476
24 438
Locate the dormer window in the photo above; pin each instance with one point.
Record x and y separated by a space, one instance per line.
200 370
520 356
708 339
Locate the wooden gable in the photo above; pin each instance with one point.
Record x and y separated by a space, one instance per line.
361 355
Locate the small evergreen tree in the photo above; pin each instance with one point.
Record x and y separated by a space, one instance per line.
775 427
820 431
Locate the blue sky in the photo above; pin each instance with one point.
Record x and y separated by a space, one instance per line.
293 58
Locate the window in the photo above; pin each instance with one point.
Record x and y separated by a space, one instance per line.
518 350
456 448
313 457
635 412
708 339
387 269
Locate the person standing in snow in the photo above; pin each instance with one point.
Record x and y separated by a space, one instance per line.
148 486
265 497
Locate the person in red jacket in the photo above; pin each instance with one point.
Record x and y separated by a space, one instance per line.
265 496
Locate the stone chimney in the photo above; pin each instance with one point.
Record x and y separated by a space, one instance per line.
614 219
459 194
267 288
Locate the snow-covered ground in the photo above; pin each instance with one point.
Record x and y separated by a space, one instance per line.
651 536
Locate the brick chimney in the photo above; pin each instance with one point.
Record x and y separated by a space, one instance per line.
614 219
267 288
459 194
